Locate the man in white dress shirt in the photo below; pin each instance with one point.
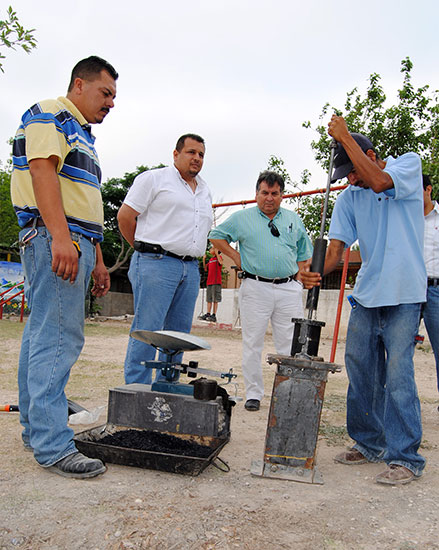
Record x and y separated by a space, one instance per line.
430 310
166 217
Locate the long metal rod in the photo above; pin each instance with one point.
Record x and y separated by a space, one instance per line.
328 188
287 196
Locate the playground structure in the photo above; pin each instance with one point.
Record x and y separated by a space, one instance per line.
6 298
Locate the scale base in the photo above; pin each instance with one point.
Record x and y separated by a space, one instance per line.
291 473
173 387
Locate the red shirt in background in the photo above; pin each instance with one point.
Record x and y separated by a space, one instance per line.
213 271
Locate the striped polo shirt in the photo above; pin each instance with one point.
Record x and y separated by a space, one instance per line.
57 128
261 252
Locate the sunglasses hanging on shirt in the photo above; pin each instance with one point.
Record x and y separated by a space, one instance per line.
274 230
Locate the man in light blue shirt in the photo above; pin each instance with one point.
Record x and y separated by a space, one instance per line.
383 209
273 246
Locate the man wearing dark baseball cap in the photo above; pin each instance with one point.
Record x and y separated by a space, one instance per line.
382 208
342 163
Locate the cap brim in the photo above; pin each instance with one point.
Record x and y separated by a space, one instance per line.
342 171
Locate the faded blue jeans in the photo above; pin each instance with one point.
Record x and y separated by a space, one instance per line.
383 409
430 312
165 290
52 341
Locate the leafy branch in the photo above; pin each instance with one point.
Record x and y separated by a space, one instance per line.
13 35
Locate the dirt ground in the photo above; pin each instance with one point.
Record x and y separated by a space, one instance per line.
132 508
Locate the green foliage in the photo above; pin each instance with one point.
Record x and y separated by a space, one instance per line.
309 208
276 164
9 227
411 124
115 249
12 34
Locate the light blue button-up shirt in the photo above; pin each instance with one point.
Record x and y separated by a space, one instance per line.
390 229
261 252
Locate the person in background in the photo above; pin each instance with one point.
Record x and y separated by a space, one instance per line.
430 309
214 284
55 190
273 246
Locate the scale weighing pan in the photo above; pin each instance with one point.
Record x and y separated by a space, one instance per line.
170 340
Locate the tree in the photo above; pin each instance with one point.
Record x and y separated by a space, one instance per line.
13 35
9 227
411 124
115 249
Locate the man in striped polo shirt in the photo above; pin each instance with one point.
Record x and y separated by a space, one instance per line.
55 189
273 246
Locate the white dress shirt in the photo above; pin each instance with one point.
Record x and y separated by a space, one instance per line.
431 242
170 213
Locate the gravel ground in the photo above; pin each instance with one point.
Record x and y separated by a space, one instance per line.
132 508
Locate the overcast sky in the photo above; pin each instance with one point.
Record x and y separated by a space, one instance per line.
244 74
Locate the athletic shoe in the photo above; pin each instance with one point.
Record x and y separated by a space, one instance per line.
212 318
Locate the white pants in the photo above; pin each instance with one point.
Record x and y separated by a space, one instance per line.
259 303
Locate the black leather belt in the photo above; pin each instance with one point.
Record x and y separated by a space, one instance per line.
40 223
432 281
157 249
275 281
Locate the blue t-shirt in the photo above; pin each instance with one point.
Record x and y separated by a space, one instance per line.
390 229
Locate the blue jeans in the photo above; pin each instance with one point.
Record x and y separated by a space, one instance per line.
383 409
430 312
52 341
165 290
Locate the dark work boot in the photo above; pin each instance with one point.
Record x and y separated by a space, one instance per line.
78 466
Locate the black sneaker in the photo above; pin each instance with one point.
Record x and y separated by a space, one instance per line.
212 318
79 466
204 317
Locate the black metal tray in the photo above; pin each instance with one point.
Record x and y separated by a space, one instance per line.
88 442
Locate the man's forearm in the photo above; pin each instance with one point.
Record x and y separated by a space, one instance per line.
365 166
48 197
333 255
225 248
367 170
127 220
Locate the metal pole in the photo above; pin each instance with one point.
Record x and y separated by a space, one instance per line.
328 187
340 304
320 244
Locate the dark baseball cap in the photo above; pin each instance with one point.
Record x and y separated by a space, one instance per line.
342 163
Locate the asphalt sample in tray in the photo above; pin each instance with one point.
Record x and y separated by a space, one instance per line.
156 442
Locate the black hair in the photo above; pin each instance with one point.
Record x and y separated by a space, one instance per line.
90 68
426 181
182 139
270 178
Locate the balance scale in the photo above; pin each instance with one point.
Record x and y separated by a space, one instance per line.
198 412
